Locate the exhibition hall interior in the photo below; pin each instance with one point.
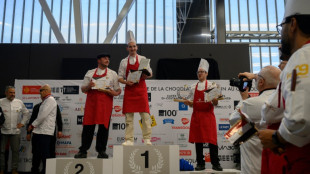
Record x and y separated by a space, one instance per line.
76 75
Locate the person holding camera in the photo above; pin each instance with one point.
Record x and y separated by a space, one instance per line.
203 124
251 150
292 136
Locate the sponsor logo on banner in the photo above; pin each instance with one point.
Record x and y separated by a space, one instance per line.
224 119
81 109
182 107
169 120
153 139
73 151
61 153
22 149
182 137
180 127
64 144
66 137
185 153
118 115
119 126
29 105
110 146
122 139
205 145
31 98
27 160
71 90
117 108
79 119
222 107
226 157
159 104
56 89
63 107
224 126
185 121
207 157
226 147
190 160
31 90
66 122
149 96
168 113
169 97
66 99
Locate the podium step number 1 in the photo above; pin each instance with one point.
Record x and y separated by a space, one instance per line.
145 159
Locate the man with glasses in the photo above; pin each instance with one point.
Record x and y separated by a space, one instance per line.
203 124
266 82
293 134
43 128
10 130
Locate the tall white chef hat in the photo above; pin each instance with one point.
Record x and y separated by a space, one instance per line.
130 37
293 7
203 65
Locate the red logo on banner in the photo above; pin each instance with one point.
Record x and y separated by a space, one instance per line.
117 108
185 152
31 89
185 121
207 157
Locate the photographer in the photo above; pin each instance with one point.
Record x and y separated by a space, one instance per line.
266 82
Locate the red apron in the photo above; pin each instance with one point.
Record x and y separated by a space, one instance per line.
273 163
135 96
98 107
297 159
203 123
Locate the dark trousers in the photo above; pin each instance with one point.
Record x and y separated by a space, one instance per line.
41 151
53 147
88 135
213 154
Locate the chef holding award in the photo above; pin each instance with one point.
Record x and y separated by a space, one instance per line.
100 84
203 123
133 71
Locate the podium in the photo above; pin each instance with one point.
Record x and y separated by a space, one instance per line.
80 166
146 159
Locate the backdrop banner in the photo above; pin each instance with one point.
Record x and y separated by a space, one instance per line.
173 118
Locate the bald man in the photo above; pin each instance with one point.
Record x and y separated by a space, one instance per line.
43 129
266 83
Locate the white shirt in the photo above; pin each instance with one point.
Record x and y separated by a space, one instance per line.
46 120
295 125
13 110
271 113
251 150
132 61
111 77
201 87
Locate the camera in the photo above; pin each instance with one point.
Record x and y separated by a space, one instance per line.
240 84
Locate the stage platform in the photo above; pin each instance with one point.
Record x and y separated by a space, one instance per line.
128 160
